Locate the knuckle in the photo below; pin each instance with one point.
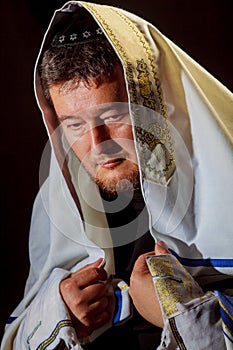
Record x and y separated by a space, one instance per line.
66 286
78 302
86 320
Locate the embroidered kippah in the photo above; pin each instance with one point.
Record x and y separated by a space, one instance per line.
77 28
74 38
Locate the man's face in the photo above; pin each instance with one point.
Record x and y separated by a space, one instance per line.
97 125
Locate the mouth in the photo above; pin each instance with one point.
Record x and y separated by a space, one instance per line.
112 163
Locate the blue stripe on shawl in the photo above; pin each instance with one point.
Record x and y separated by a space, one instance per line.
117 316
226 311
10 319
208 262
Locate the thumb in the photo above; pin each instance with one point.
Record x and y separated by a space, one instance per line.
161 248
99 263
140 265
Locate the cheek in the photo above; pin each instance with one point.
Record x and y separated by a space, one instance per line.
80 145
124 137
81 149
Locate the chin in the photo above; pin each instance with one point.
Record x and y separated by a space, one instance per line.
113 181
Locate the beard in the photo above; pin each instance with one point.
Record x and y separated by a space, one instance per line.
111 186
111 182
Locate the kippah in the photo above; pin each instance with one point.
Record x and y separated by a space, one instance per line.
79 27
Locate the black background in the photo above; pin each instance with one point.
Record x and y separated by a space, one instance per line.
203 28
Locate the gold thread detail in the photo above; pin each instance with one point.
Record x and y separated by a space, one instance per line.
177 335
166 287
227 328
152 98
55 332
225 309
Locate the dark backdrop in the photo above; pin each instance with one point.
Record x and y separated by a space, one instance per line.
203 28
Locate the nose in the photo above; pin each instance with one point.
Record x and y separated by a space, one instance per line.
100 138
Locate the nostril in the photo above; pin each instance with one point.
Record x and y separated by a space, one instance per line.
111 147
107 147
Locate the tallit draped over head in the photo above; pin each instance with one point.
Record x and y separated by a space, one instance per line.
183 134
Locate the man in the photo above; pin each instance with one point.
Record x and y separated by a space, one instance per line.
91 107
121 177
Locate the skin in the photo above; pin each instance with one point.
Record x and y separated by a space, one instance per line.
142 290
86 295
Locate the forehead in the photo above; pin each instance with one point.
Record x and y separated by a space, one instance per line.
84 98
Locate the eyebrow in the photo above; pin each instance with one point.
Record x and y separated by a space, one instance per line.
65 117
101 109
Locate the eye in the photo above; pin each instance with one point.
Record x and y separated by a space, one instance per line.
115 117
75 126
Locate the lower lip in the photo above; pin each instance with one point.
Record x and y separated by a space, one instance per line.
112 164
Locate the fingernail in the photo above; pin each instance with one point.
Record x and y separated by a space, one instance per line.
162 244
102 263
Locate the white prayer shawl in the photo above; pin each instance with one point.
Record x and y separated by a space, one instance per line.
183 127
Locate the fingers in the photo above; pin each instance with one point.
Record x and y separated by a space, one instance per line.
140 265
84 286
98 263
93 317
94 292
89 274
95 312
99 306
161 248
86 295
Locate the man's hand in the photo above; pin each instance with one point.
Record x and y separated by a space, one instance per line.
142 289
85 293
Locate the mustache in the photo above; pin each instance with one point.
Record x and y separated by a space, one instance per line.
103 158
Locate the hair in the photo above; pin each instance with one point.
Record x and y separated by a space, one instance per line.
90 62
